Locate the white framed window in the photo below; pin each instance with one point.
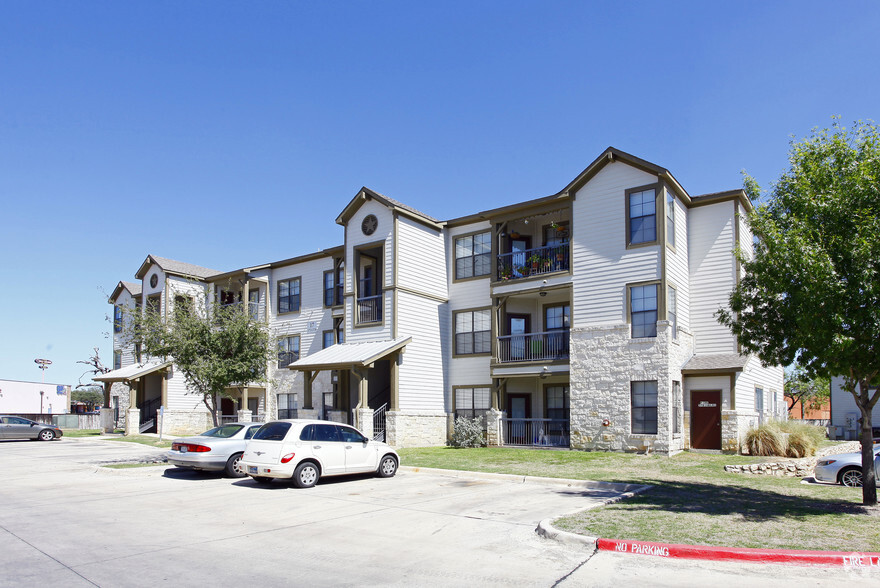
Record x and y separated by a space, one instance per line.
472 256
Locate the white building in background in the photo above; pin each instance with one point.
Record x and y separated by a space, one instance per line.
845 414
33 398
582 319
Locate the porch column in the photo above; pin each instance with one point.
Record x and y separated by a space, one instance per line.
107 424
133 414
394 403
307 389
244 413
245 297
164 396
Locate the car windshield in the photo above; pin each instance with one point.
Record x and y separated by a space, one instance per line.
223 432
272 431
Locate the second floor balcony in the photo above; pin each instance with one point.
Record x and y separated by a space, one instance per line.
534 262
542 346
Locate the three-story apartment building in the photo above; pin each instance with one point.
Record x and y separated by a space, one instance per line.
583 319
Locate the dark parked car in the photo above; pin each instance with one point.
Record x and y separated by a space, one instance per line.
13 427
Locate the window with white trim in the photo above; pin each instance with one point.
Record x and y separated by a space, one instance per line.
642 210
644 407
643 310
472 402
472 256
473 332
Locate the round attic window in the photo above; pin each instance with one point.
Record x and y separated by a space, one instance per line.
154 279
369 225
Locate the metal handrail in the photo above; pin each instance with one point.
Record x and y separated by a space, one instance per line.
534 262
537 432
541 346
369 309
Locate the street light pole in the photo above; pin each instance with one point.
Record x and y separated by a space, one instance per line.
43 364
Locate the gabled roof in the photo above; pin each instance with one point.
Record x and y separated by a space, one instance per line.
715 362
611 155
133 288
347 355
178 268
365 194
132 372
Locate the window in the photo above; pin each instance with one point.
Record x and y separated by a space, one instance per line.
333 287
117 319
557 320
288 350
138 352
676 408
557 402
117 360
644 407
471 402
340 330
643 310
288 295
672 311
472 332
472 256
327 340
642 217
182 305
670 218
759 400
287 406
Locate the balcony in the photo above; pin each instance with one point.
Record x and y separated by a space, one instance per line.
544 346
537 432
369 309
534 262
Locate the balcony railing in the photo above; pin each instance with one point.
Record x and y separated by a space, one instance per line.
537 432
534 262
255 309
369 309
546 346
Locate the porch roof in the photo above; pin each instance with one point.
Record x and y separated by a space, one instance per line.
131 372
349 355
715 362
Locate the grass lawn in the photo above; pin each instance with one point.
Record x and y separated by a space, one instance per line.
142 439
694 501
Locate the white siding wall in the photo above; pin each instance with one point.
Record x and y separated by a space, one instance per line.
127 302
421 372
677 265
602 263
354 238
712 274
754 375
843 404
466 294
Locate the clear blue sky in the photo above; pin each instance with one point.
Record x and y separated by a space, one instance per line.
228 134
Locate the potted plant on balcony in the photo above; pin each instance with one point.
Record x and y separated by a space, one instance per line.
506 272
535 261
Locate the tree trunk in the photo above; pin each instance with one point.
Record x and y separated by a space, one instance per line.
869 483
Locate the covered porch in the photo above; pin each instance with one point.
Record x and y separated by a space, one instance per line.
530 410
366 383
147 383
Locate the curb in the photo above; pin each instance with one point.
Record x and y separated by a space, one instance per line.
774 556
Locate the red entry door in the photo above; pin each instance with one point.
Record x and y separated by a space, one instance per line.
706 419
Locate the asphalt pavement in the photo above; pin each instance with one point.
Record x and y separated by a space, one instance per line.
68 521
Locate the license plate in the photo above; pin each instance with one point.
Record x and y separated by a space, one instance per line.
252 469
183 449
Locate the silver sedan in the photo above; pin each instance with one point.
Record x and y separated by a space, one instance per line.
218 449
13 427
845 468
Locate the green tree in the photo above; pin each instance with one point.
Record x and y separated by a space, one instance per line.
216 347
811 392
810 291
90 395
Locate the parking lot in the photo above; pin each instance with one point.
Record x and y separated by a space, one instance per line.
68 522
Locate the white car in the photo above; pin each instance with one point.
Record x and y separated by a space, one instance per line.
306 450
218 449
845 468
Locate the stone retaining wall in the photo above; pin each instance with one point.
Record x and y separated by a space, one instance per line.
800 468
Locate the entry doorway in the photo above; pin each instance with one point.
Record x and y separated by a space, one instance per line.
706 419
519 410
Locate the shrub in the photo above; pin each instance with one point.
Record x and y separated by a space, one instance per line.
800 444
765 440
468 432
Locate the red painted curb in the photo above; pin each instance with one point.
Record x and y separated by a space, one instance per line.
789 556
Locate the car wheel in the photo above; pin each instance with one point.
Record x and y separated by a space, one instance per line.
234 468
306 475
387 467
262 479
47 435
851 477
